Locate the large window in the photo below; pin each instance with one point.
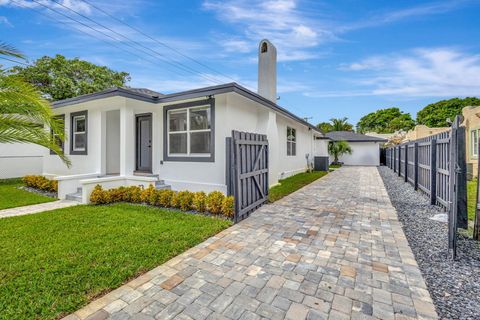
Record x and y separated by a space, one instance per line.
474 142
79 134
190 131
291 142
58 141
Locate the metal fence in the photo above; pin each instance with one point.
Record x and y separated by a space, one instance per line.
436 165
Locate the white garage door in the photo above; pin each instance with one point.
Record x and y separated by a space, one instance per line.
364 154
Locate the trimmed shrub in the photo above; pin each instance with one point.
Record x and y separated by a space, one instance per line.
117 194
154 198
165 198
100 196
200 201
146 193
185 200
215 202
133 194
175 201
228 206
40 182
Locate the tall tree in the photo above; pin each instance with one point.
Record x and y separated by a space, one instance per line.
436 114
61 78
338 149
325 127
341 124
24 113
386 120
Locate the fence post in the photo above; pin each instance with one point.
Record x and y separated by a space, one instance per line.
415 166
433 171
462 211
399 161
394 152
476 223
406 163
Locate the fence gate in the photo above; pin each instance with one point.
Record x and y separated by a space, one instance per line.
247 171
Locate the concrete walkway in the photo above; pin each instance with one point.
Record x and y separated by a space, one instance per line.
333 250
36 208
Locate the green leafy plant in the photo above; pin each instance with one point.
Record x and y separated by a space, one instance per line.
338 149
41 183
386 120
165 198
200 201
436 114
228 207
185 200
215 202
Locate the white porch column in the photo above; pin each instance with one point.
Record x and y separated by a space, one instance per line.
127 141
267 123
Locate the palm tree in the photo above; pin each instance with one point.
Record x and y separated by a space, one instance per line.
24 113
341 124
338 149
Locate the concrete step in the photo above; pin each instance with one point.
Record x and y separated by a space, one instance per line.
163 187
74 197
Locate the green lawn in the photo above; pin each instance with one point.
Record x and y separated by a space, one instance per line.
55 262
293 183
11 196
471 198
335 166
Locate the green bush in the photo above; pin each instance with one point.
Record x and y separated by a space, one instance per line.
100 196
200 201
215 202
228 207
185 200
41 183
146 193
165 198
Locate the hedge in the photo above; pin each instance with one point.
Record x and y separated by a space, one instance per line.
41 183
215 202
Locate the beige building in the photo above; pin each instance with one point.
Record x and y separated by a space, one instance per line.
422 131
472 126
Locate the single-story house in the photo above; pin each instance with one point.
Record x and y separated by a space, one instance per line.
125 136
20 159
365 149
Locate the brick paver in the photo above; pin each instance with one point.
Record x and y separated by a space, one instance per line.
36 208
332 250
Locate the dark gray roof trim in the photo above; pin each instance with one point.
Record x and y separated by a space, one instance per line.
352 137
190 94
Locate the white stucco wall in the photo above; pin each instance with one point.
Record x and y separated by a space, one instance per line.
363 154
20 159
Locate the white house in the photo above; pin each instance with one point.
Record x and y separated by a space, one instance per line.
365 149
20 159
125 136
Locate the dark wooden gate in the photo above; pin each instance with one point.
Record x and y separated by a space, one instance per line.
247 171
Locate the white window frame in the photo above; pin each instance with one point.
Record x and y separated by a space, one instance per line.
474 144
188 131
293 142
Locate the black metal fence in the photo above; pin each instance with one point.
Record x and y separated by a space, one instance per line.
247 171
436 165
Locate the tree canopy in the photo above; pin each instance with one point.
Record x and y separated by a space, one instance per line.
335 124
60 78
386 120
436 114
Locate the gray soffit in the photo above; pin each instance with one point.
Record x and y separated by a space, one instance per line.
352 137
190 94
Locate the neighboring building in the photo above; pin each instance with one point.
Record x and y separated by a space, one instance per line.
137 136
365 149
422 131
386 136
20 159
471 122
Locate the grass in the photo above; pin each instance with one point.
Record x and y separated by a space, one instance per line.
335 166
471 198
55 262
292 184
11 196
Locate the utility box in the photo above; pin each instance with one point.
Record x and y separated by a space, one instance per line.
320 163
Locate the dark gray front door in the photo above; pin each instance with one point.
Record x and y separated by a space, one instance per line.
144 143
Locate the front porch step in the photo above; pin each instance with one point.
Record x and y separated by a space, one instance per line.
146 174
160 185
77 196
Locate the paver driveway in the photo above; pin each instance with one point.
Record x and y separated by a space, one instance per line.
334 249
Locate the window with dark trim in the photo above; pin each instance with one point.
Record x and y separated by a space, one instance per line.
78 132
58 141
291 141
474 143
189 131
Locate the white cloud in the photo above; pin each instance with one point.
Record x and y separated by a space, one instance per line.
434 72
280 21
5 21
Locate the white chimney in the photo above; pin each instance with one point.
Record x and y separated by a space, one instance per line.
267 70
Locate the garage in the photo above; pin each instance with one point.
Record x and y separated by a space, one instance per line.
365 149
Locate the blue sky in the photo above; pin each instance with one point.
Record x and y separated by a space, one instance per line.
336 58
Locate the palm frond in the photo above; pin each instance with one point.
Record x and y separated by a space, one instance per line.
8 50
